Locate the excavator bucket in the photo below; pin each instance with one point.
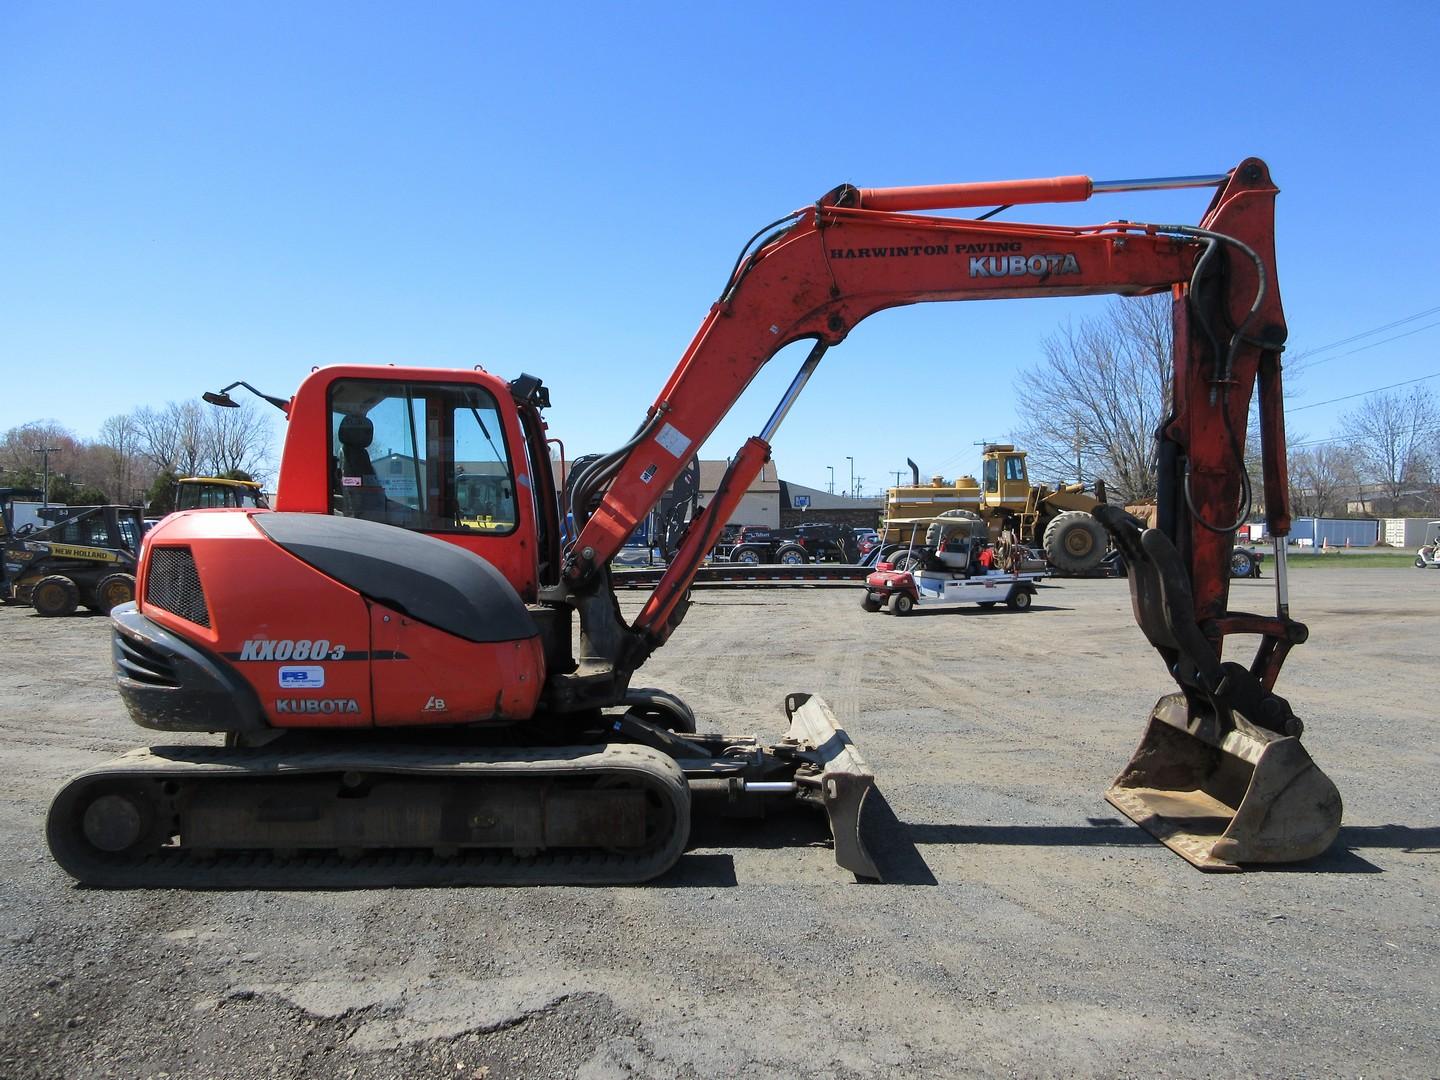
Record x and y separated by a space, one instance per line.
1220 776
1247 796
843 780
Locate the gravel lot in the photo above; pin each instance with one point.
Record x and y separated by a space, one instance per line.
1029 930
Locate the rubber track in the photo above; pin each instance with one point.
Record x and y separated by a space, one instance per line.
178 868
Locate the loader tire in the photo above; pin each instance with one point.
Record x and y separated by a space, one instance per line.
1075 542
936 532
908 560
54 596
113 590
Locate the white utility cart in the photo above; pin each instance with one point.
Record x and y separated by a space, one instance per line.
943 570
1429 553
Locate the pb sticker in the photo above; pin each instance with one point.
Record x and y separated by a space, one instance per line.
302 677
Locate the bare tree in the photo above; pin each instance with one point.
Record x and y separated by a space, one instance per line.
173 438
237 440
1092 405
23 465
127 472
1322 478
1391 436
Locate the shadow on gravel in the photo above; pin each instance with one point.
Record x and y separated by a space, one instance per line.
1101 832
1422 841
891 844
1342 858
698 871
889 841
974 611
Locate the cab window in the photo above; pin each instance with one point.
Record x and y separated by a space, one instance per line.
428 456
90 532
1015 468
992 475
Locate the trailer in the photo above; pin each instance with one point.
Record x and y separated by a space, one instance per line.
1335 532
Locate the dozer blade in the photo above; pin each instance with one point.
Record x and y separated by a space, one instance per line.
844 778
1248 795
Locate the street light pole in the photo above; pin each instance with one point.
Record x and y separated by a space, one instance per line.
45 452
832 478
851 460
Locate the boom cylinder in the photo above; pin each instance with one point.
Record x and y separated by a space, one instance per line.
1052 189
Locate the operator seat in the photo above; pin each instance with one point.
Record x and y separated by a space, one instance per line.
367 498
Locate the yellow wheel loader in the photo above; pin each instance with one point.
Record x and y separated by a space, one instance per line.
1058 520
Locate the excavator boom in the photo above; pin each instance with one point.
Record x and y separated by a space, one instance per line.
859 251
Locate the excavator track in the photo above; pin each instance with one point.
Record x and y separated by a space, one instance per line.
384 816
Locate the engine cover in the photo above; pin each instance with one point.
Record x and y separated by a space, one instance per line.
330 621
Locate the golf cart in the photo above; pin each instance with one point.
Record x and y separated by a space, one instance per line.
941 567
1429 553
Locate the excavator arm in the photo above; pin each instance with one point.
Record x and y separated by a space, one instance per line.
1220 775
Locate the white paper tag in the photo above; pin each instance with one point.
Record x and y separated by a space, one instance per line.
673 441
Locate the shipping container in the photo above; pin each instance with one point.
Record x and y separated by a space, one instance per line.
1335 532
1409 532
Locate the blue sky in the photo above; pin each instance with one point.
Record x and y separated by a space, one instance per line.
195 193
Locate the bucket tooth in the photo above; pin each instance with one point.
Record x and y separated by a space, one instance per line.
844 778
1222 799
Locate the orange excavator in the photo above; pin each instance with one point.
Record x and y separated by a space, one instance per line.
433 691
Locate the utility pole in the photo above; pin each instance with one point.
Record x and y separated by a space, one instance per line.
859 485
851 460
45 452
897 476
832 478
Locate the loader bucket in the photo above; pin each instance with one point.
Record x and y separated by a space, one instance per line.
844 778
1248 795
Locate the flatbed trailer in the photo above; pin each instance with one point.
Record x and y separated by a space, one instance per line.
739 575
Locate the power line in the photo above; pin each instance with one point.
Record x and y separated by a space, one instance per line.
1350 438
1364 334
1362 393
1363 348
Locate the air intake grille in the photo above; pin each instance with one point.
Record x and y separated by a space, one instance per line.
172 583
